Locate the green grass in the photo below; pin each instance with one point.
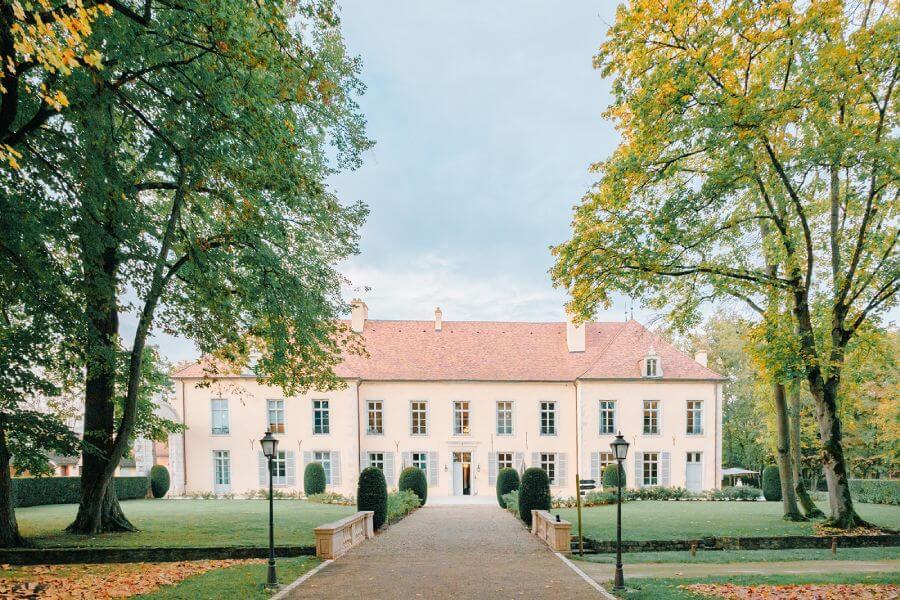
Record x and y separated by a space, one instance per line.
659 520
187 523
739 556
669 589
242 581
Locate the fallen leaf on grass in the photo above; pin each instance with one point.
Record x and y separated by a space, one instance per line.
856 591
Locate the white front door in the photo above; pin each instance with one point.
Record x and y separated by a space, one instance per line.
457 479
693 478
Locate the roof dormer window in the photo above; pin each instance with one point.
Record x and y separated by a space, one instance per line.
652 365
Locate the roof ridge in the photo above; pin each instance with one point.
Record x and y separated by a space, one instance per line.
603 350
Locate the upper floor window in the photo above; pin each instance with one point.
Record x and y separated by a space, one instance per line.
548 418
279 468
324 459
461 418
548 464
418 417
220 416
376 459
321 417
652 366
504 460
375 417
504 417
695 416
420 461
651 468
651 417
276 416
607 416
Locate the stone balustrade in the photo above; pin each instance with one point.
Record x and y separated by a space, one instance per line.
335 539
556 533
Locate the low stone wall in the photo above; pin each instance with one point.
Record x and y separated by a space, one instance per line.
743 543
555 532
58 556
335 539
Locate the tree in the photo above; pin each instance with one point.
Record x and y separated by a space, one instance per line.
192 186
734 114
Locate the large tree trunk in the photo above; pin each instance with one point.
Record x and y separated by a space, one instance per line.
783 447
9 528
809 507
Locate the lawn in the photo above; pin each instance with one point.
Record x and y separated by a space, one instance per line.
740 556
659 520
187 523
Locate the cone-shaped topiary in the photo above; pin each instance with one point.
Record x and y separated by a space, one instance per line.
314 479
413 478
371 494
611 476
771 483
507 481
534 493
159 481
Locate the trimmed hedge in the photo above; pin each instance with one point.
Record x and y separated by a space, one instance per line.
876 491
771 483
507 481
159 481
314 479
534 493
371 494
610 477
34 491
739 493
413 479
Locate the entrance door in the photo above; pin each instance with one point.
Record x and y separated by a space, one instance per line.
693 478
462 473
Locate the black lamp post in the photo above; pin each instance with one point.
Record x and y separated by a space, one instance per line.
620 452
269 445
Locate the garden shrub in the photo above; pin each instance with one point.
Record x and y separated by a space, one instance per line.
876 491
371 494
331 498
601 498
771 483
507 481
313 479
741 493
534 493
159 481
511 502
611 476
400 504
413 479
34 491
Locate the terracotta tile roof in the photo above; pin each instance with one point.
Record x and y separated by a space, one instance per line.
499 351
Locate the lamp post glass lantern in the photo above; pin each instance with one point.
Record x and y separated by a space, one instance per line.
620 451
269 444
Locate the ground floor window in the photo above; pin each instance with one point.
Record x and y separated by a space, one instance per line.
324 458
376 459
222 469
548 464
420 461
651 468
279 468
504 460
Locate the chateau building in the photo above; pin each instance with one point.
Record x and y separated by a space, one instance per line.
461 400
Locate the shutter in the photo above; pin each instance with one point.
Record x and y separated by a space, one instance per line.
513 417
409 412
407 460
536 459
595 467
638 469
561 468
520 461
307 458
263 472
290 465
664 478
492 468
428 418
335 468
389 468
364 460
433 468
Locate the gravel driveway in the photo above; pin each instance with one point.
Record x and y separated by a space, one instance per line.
449 552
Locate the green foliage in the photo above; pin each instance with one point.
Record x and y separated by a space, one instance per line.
159 481
34 491
511 502
534 493
743 493
401 503
413 478
507 481
876 491
771 483
331 498
611 476
371 494
601 498
314 479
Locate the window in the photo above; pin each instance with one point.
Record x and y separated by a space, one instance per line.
276 416
548 418
376 459
651 468
606 459
324 459
420 461
461 418
279 468
548 464
652 364
695 416
220 416
418 417
222 469
693 457
376 418
607 416
651 417
504 460
504 417
321 417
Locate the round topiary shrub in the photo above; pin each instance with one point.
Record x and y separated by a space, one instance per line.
413 478
534 493
371 494
611 476
507 481
771 483
159 481
314 479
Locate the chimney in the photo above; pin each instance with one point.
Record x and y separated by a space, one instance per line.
701 357
437 319
574 334
359 312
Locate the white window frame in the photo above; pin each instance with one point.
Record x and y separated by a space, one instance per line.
462 417
606 459
275 406
694 416
548 417
606 411
222 466
321 415
323 457
549 465
503 463
376 459
651 414
421 411
374 417
651 366
650 469
505 417
226 430
279 463
420 461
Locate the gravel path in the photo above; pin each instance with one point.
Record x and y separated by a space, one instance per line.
449 552
604 572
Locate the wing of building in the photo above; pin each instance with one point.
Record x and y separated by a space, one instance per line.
461 400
